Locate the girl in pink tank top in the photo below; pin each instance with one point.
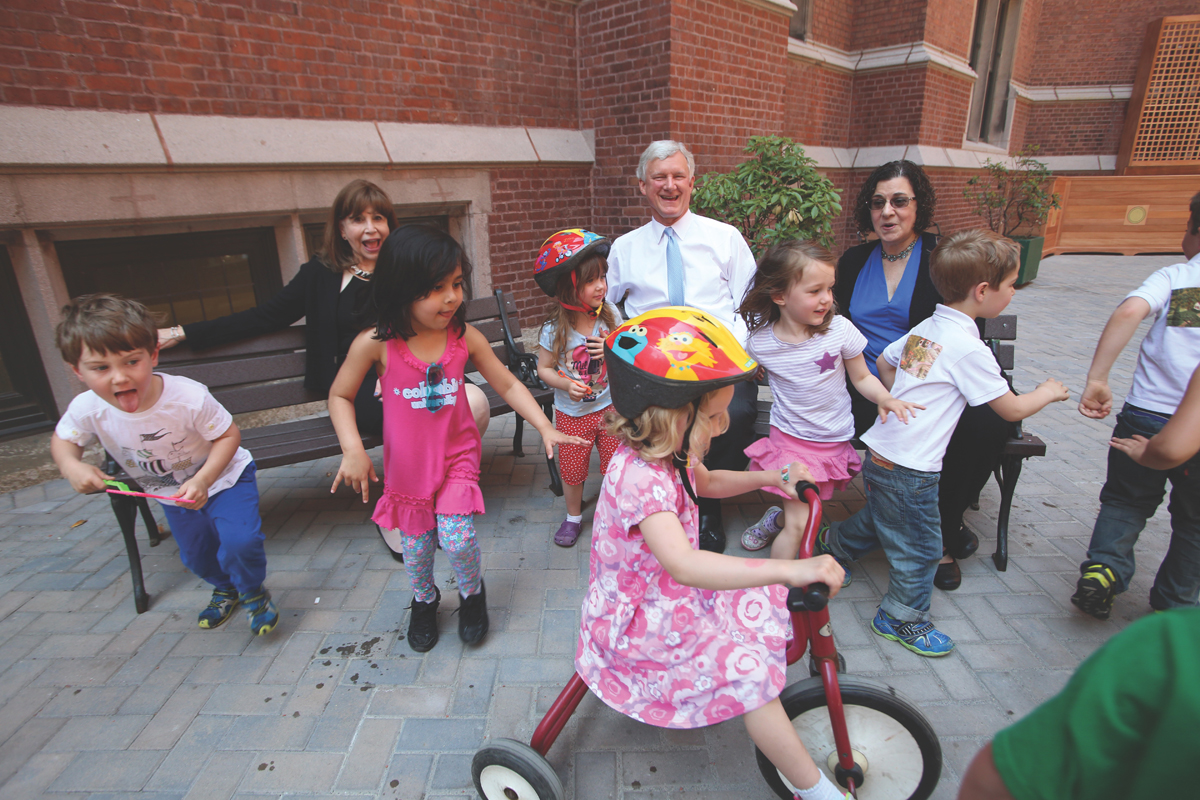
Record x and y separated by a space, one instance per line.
419 348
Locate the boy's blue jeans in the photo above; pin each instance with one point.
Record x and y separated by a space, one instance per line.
1130 496
901 516
223 542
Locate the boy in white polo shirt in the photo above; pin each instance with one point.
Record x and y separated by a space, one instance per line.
944 366
1168 357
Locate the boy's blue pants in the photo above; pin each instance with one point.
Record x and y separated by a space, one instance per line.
223 542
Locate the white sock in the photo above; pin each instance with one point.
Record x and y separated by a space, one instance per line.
823 789
574 517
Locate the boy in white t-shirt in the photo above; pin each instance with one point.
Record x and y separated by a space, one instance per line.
1132 492
943 366
176 440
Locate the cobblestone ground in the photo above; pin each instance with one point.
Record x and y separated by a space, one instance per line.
98 701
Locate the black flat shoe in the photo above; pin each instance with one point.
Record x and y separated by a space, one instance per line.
964 544
948 577
712 533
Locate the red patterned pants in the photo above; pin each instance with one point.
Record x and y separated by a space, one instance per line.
573 458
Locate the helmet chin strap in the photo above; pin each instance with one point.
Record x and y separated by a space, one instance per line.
594 313
681 458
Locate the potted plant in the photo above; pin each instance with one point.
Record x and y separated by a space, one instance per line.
1015 202
776 195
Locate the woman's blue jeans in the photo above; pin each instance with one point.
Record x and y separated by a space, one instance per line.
901 516
1130 496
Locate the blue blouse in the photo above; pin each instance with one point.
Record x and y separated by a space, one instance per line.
881 320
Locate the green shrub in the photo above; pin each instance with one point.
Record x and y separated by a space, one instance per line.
1012 199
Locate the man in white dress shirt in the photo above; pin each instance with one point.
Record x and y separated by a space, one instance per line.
681 258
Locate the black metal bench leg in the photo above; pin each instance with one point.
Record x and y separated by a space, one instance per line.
148 521
518 450
1010 470
125 510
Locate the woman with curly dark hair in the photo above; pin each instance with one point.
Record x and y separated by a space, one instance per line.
883 286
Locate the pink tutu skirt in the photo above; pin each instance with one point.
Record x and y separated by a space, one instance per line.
832 464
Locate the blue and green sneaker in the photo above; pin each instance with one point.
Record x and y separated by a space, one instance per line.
261 611
219 609
920 637
822 549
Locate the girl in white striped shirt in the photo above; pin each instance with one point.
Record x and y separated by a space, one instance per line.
807 351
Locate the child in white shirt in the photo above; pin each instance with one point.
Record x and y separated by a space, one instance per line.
943 366
1132 492
176 440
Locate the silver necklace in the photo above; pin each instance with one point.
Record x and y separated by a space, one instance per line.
366 276
903 254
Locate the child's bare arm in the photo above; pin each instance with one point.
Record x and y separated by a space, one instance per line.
514 392
704 570
729 483
1178 440
547 370
887 373
873 389
193 493
68 456
356 470
1096 400
1016 407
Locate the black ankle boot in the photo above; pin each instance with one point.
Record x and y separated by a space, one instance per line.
473 617
422 625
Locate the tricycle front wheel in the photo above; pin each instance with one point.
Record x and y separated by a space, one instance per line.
892 742
508 770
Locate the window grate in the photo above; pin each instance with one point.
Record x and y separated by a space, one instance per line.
1167 130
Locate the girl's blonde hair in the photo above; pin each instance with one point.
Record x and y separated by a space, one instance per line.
780 268
562 320
657 433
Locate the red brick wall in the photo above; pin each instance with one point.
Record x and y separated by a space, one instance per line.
887 107
817 104
1096 41
433 61
728 62
949 26
527 206
883 23
624 91
1077 128
944 110
832 23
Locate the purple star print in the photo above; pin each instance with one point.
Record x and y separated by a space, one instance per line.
826 363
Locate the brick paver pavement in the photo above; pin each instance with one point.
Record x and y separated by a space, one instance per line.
98 701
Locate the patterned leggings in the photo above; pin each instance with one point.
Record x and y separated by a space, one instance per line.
456 532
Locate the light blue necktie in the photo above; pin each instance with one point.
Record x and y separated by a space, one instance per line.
674 270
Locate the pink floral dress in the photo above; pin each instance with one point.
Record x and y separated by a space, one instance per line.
658 651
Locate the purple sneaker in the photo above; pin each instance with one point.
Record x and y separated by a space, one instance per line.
568 533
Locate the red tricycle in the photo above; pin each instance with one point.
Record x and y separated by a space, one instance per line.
863 734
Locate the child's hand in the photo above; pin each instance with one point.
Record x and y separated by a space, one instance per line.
554 437
193 494
576 390
1135 448
595 347
900 408
1058 391
85 478
819 569
358 472
796 473
1096 400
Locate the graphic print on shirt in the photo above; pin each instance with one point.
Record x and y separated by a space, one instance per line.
1184 310
446 392
826 362
683 350
589 371
919 355
164 463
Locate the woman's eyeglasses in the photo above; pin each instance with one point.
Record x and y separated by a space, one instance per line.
434 375
897 200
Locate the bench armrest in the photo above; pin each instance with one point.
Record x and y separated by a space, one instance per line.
520 363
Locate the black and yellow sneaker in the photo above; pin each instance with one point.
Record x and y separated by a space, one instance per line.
219 609
822 549
1095 592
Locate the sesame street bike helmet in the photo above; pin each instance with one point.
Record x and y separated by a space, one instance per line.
670 357
561 254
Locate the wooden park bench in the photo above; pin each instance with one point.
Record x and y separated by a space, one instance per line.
267 372
998 334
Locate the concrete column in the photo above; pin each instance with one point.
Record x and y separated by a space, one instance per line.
44 293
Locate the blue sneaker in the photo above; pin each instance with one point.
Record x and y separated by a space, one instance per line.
822 549
920 637
219 609
261 611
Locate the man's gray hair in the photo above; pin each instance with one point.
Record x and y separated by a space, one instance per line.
664 148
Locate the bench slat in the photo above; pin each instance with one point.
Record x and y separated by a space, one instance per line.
218 375
1003 327
260 397
285 340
